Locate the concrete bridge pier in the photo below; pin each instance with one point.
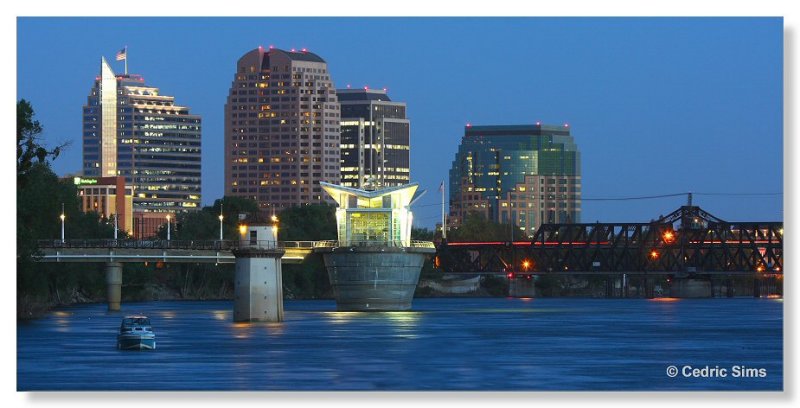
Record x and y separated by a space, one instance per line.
114 285
522 287
258 286
691 288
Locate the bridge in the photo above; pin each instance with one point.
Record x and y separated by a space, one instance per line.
687 243
176 251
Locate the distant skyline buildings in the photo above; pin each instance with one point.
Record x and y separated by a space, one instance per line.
281 129
131 130
524 175
376 136
610 96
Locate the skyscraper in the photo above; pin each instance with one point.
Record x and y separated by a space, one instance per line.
521 174
131 130
281 129
375 138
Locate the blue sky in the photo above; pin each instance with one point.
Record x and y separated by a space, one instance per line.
656 105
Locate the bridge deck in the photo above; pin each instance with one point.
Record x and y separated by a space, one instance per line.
160 250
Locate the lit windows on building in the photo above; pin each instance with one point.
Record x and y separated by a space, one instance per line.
498 169
142 133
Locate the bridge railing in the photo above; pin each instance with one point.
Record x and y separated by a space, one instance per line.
216 245
393 243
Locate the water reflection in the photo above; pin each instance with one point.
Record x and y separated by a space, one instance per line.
342 317
222 314
405 323
443 344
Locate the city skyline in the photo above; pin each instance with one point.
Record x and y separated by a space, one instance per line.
681 106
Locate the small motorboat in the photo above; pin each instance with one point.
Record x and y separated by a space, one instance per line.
136 333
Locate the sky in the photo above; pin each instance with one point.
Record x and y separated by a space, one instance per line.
656 105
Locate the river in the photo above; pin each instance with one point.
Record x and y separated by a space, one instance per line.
442 344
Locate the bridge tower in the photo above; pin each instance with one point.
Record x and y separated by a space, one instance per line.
258 287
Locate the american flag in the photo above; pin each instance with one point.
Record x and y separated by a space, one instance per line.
122 54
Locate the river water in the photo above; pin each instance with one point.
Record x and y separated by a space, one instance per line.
442 344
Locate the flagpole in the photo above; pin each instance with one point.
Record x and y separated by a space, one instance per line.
444 227
126 60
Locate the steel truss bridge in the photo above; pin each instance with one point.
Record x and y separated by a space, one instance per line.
686 242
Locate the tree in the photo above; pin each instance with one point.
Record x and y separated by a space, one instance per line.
308 223
421 234
29 151
477 228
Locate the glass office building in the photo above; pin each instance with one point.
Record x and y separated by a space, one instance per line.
375 138
281 129
521 174
130 129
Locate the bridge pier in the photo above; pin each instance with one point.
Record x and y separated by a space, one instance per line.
522 288
691 288
258 286
113 285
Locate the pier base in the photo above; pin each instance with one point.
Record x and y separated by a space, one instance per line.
258 287
522 287
374 278
114 285
691 288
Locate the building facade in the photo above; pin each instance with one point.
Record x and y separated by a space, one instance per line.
521 174
131 130
107 196
281 129
376 138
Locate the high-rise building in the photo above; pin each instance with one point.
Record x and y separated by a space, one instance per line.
281 129
131 130
375 138
521 174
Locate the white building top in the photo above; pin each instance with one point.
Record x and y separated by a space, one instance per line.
379 217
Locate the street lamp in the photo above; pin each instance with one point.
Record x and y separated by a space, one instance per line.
168 227
220 227
62 216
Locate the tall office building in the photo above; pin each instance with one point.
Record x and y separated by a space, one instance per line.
281 129
131 130
524 174
375 138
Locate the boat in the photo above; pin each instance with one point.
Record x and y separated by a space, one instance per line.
136 333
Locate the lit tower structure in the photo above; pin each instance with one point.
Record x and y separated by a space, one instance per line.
375 138
132 130
281 129
374 264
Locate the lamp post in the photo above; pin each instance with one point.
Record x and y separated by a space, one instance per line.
220 226
62 216
169 227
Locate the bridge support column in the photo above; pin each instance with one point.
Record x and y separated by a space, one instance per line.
756 287
691 288
522 288
114 285
258 286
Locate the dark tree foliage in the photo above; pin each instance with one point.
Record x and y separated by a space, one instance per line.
29 151
477 228
421 234
307 223
204 224
38 208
